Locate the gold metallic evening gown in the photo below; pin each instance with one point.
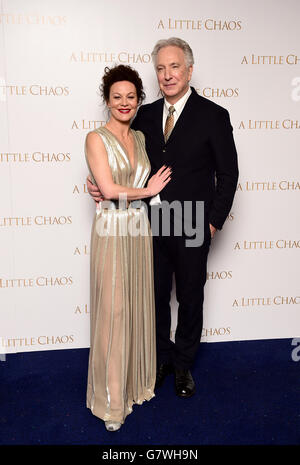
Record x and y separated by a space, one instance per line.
122 359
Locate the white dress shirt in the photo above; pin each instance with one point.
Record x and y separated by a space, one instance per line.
179 106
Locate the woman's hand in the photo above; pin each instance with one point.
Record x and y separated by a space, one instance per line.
212 230
159 180
93 190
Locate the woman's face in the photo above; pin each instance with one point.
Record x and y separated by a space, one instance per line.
123 101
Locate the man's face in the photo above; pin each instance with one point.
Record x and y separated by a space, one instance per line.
172 73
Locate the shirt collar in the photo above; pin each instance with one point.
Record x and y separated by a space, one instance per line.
180 103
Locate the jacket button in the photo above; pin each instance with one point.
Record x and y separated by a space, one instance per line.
164 150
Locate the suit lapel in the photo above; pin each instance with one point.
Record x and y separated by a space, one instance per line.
184 118
184 122
157 121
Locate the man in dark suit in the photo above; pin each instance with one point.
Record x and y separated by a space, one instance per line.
194 136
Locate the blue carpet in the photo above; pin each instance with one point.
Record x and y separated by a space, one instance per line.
247 394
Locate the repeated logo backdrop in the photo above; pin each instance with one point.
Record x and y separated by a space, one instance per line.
52 57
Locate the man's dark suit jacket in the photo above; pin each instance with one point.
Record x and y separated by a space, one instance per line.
200 150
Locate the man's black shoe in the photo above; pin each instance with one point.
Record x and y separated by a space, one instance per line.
163 370
184 383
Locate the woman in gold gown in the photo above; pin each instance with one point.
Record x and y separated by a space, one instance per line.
122 359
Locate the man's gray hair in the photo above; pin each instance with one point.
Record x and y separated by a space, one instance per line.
175 42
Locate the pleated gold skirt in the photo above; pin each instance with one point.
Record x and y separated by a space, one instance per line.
122 359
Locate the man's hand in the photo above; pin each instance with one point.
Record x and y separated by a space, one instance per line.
212 230
93 190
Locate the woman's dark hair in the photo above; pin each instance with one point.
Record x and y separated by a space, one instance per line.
121 73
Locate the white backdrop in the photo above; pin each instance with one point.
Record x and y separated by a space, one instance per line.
52 57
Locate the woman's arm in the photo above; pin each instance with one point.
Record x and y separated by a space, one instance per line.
98 161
